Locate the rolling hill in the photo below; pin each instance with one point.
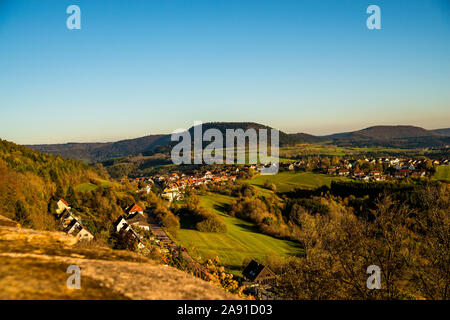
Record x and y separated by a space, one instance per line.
148 145
31 182
442 132
391 136
93 152
241 241
405 137
30 179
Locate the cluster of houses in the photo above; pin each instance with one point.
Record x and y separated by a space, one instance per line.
357 174
134 217
71 223
173 184
401 168
401 172
399 163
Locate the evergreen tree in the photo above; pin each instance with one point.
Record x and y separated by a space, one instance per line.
59 192
21 215
71 197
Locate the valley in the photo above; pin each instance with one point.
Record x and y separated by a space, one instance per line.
215 221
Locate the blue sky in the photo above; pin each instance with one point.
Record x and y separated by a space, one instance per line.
146 67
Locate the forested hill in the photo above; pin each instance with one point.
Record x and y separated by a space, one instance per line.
93 152
392 136
30 180
383 136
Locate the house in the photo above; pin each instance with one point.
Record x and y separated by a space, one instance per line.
257 273
139 220
127 234
134 209
343 172
62 205
171 195
331 171
402 173
74 227
67 217
358 173
418 174
120 224
207 175
376 175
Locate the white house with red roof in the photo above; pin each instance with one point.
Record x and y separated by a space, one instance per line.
62 205
133 209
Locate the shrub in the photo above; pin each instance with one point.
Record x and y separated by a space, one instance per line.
212 224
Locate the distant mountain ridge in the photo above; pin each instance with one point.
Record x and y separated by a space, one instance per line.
92 152
384 136
442 132
391 136
392 132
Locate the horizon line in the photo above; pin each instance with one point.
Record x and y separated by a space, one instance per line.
163 134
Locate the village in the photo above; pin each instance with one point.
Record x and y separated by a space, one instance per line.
172 185
138 229
376 169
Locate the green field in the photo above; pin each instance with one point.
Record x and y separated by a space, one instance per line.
88 187
442 173
332 150
241 241
289 180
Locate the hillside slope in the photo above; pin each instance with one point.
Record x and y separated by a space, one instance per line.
93 152
442 132
391 136
31 181
383 136
33 265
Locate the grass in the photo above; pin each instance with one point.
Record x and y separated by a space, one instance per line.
442 173
289 180
88 187
241 241
332 150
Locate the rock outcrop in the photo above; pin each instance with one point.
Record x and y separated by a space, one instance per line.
33 265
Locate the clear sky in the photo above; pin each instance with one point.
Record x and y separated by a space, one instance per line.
147 67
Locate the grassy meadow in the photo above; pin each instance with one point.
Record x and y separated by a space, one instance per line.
442 173
241 241
88 187
332 150
289 180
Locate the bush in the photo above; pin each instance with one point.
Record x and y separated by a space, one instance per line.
249 209
170 222
212 224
